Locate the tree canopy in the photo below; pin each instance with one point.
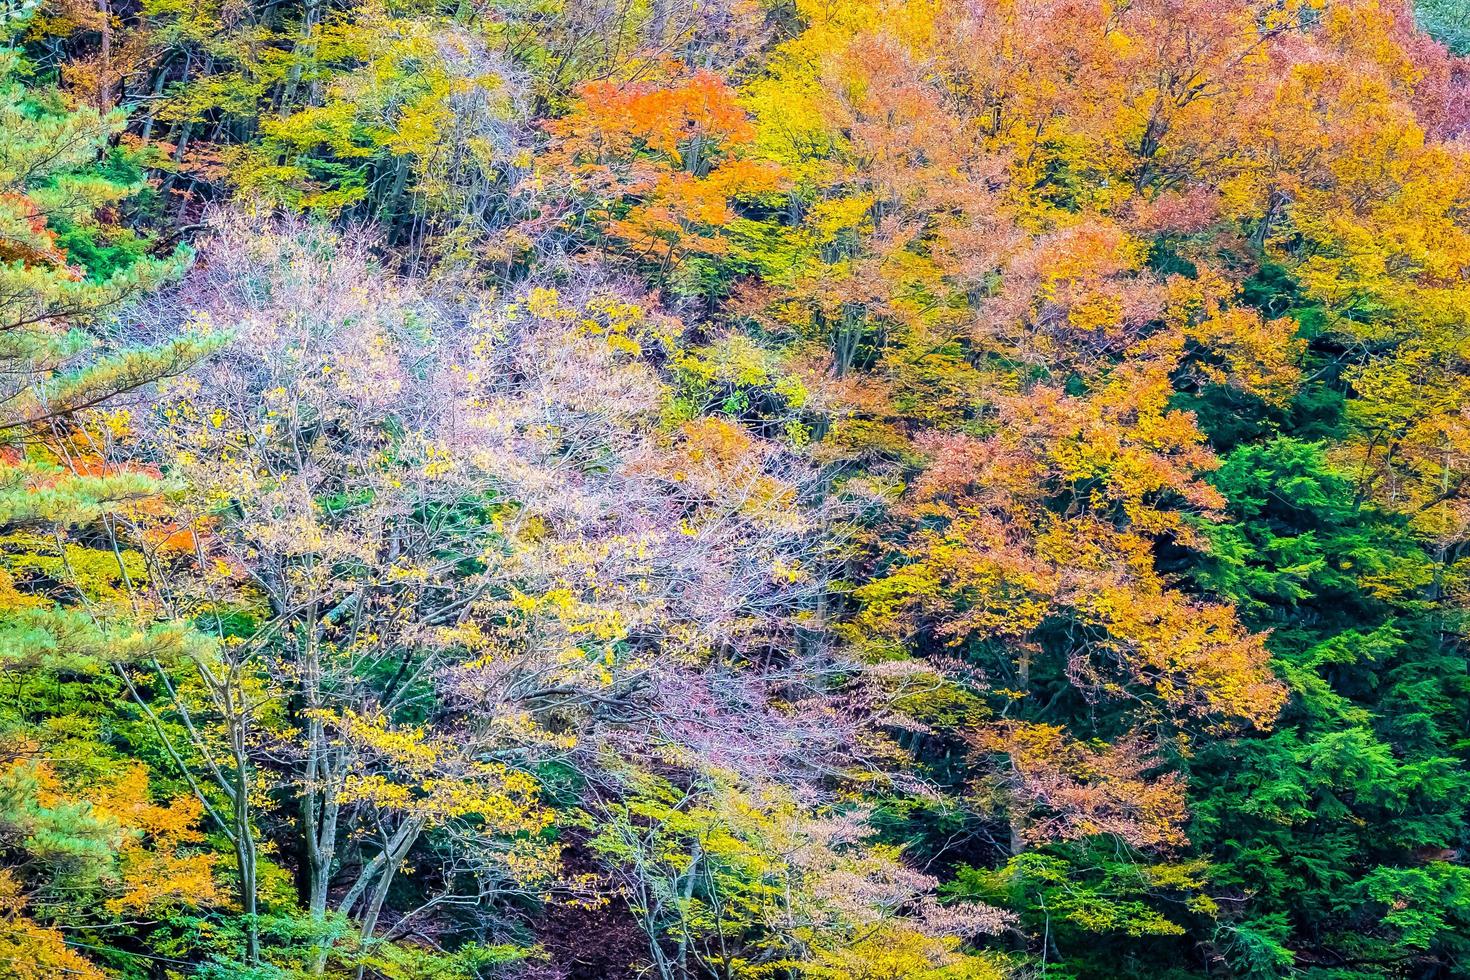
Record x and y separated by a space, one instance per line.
734 490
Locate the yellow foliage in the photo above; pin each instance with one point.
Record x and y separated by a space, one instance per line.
29 951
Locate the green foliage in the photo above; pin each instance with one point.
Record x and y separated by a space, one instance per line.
1447 21
1370 736
736 490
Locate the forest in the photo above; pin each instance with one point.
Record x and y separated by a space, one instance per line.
734 489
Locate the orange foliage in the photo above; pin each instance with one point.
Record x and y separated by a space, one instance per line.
158 847
664 161
29 951
159 861
41 249
1068 789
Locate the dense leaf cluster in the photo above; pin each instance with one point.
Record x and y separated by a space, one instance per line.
736 490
